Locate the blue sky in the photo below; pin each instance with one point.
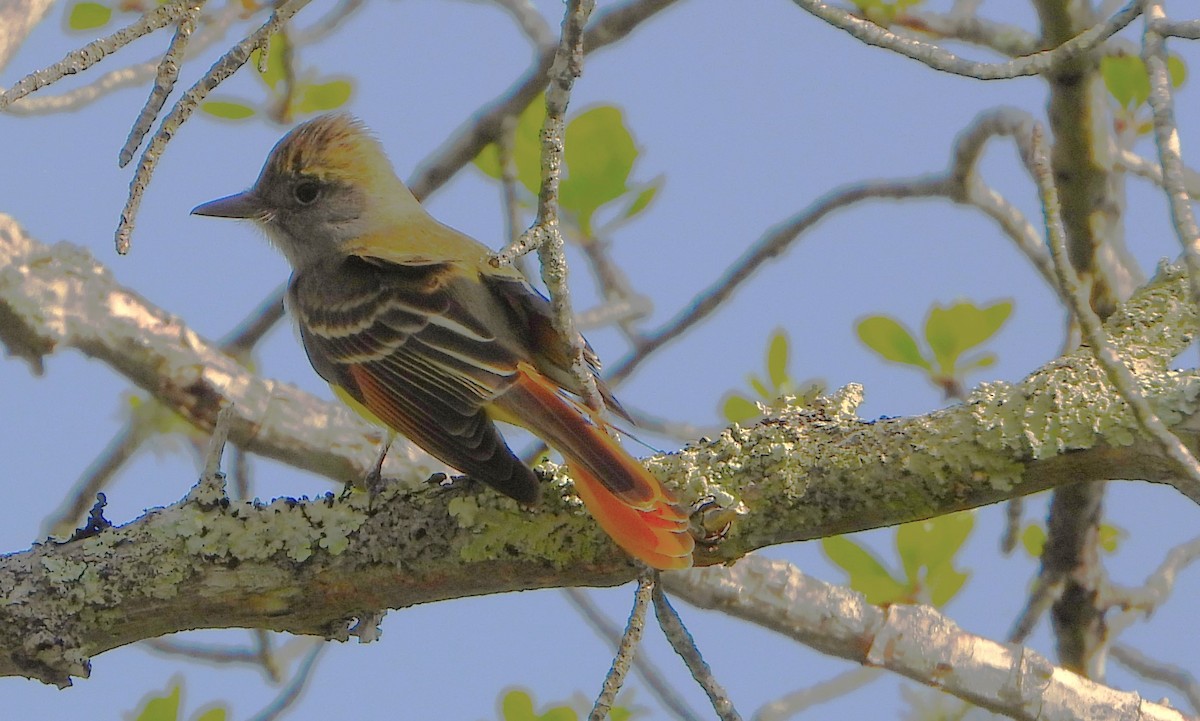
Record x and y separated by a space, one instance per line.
751 111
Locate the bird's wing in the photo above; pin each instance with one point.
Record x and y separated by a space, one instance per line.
412 343
550 352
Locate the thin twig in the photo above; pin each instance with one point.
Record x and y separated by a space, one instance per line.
531 22
291 693
1142 601
611 632
216 447
327 23
1009 40
797 702
685 646
164 82
213 29
1046 589
486 122
1150 170
227 65
939 58
79 60
627 646
1186 29
1159 671
1166 136
1076 299
546 235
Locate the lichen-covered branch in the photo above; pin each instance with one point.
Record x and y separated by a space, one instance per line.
307 566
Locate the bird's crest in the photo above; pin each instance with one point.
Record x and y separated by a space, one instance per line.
335 147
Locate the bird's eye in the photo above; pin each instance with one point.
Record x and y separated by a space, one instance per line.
306 191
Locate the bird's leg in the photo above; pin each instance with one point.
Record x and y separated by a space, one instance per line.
374 479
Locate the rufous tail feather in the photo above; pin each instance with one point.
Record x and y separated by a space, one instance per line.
628 502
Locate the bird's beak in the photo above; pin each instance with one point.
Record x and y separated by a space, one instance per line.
242 205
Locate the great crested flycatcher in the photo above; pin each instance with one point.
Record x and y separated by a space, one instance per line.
413 327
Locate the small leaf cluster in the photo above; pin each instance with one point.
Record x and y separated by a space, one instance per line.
738 408
1128 82
165 707
949 333
926 550
517 705
884 12
306 94
598 160
1033 538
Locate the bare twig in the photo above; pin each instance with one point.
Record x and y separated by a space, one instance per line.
1154 670
546 235
685 646
227 65
1151 171
531 22
486 122
164 81
210 31
79 60
17 19
1114 366
1046 590
295 687
327 23
939 58
797 702
611 633
627 646
1166 136
968 27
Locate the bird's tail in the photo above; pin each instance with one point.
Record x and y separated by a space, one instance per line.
629 503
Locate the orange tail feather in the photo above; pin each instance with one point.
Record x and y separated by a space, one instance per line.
629 503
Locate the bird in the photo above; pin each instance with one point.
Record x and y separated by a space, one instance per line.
415 328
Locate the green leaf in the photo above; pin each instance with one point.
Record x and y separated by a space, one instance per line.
760 388
1033 539
217 713
161 708
1126 79
777 359
950 331
946 536
526 150
619 713
643 197
867 574
890 339
517 705
599 157
227 109
277 54
1110 537
322 97
943 583
984 360
88 16
1177 70
739 409
932 544
488 161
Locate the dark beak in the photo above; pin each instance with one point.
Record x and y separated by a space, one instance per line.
242 205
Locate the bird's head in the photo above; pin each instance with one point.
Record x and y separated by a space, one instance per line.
324 185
